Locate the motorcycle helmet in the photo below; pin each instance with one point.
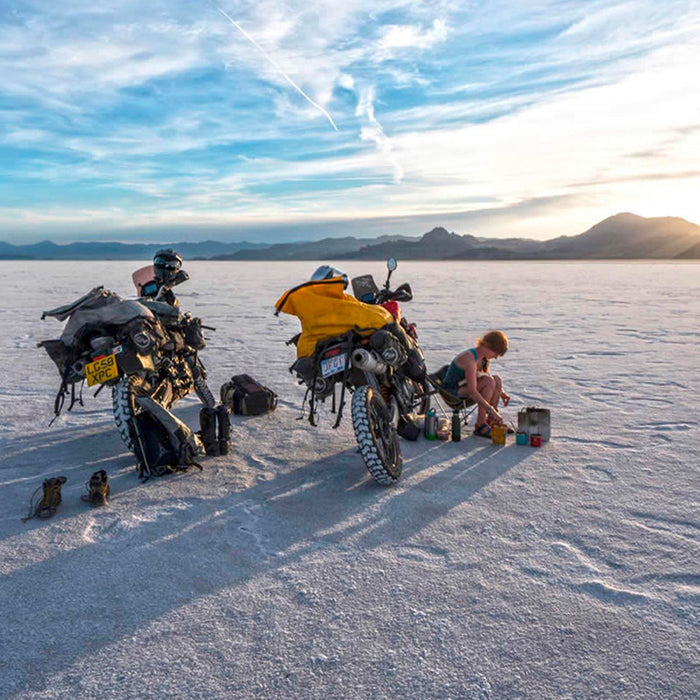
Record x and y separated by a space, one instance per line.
326 272
166 265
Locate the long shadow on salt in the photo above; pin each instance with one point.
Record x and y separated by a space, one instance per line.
133 568
135 565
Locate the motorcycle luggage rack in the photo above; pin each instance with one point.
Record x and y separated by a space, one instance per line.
345 341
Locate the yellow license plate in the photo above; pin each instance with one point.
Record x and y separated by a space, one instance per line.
102 370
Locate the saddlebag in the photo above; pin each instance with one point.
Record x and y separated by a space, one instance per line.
415 364
244 396
62 357
162 442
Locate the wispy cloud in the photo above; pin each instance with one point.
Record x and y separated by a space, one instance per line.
396 38
372 130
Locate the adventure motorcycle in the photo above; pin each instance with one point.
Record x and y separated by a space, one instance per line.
365 349
143 348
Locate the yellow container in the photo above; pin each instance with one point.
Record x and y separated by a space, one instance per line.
498 434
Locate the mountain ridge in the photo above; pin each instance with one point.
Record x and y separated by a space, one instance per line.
621 236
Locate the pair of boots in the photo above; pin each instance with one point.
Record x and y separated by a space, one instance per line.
215 431
51 497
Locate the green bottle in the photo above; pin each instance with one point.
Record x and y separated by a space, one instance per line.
456 427
430 425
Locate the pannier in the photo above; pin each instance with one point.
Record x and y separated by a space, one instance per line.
244 396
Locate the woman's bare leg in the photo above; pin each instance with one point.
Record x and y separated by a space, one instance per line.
497 389
486 386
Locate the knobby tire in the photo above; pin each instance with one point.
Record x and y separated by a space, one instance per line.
376 437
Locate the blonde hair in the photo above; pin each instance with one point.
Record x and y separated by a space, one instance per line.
494 340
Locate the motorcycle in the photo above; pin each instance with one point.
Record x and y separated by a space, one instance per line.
143 348
375 357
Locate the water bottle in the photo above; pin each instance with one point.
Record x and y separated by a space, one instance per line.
456 427
430 425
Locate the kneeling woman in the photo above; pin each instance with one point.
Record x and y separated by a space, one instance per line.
468 375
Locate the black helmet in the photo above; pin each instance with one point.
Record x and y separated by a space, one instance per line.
166 265
327 272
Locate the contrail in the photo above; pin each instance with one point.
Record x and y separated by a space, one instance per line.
278 67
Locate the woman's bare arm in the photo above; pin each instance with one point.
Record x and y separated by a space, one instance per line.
466 362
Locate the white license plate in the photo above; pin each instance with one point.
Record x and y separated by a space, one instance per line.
333 365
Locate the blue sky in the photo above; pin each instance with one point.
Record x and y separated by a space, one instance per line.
273 120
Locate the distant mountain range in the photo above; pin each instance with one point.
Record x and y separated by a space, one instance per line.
97 250
620 237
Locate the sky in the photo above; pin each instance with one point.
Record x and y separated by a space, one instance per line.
285 120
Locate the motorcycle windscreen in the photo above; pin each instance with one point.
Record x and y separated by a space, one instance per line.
364 288
142 276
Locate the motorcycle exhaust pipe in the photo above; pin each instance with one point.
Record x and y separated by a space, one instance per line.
367 362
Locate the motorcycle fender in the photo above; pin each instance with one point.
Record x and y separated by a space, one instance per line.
130 362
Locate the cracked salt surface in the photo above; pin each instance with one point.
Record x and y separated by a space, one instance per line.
283 571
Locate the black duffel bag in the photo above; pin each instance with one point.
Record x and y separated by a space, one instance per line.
244 396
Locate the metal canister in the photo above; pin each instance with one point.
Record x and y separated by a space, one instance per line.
536 440
535 420
521 438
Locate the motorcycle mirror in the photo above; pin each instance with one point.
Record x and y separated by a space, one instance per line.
179 278
391 264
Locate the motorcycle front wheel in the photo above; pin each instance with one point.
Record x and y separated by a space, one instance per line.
376 436
201 388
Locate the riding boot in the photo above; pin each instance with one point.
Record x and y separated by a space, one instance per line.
98 489
50 498
207 434
224 430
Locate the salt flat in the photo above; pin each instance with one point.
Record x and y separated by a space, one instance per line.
283 571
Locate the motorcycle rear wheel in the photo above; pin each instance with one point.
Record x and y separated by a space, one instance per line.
376 436
124 405
124 408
